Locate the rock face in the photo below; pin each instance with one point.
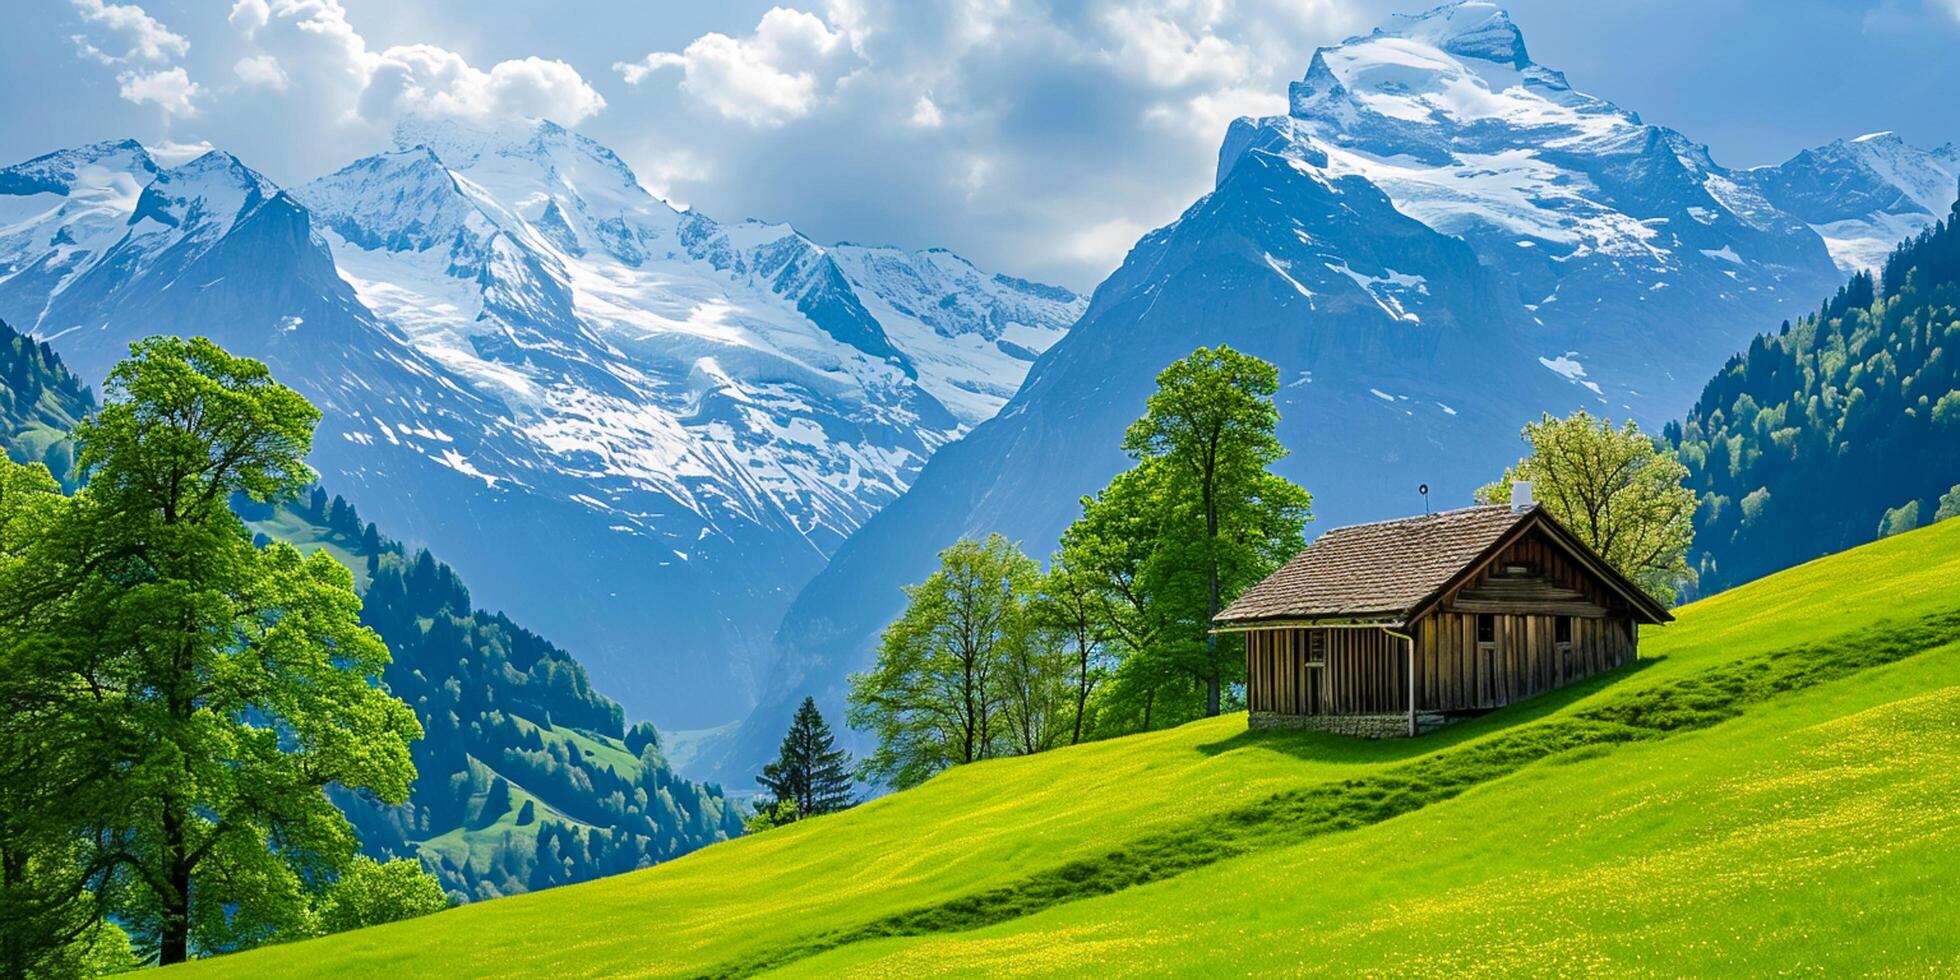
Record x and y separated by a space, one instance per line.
636 428
1864 195
1439 241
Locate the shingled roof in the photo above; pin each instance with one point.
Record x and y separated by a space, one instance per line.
1379 570
1386 571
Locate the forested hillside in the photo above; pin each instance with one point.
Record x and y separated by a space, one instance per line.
40 401
1838 429
526 776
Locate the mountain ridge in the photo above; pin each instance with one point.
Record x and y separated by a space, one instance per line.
667 421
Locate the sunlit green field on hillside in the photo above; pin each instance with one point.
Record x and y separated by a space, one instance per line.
1627 825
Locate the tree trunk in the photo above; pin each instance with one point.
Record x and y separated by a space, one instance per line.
174 940
1211 648
1211 569
1081 694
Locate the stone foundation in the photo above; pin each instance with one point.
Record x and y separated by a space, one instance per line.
1359 726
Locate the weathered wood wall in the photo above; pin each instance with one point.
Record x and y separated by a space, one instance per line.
1364 671
1455 672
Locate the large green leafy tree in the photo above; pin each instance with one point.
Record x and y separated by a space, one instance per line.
935 698
53 897
1620 491
810 773
1221 519
219 688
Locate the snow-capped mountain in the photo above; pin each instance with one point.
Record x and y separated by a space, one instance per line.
636 427
100 245
970 334
1439 241
1864 195
1621 239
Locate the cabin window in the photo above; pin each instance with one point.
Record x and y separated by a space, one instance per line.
1562 632
1486 628
1316 646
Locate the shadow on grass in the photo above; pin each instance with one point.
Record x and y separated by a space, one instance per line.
1323 747
1442 770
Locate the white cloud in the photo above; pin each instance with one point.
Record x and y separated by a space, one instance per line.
423 78
1041 137
170 153
148 39
925 113
1162 50
250 15
170 88
317 49
1104 243
261 70
780 72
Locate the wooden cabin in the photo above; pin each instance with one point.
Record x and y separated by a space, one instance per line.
1388 628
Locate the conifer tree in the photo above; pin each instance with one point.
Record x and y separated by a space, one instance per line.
810 771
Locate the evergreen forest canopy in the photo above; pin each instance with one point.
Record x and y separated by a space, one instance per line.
1838 429
41 402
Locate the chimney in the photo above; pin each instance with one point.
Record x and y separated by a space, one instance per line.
1521 495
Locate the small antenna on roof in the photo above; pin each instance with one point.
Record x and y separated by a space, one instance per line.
1424 490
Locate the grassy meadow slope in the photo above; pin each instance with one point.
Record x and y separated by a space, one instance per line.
1777 783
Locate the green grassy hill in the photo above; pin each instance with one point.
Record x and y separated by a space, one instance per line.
1775 786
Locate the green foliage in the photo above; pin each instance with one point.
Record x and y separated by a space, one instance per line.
993 657
1946 411
1837 418
935 697
1072 612
770 815
1949 504
205 692
370 892
810 772
1168 542
1619 491
486 690
1227 522
1900 519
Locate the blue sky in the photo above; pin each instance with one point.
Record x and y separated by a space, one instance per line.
1036 138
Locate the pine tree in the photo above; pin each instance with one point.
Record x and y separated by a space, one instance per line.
810 770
